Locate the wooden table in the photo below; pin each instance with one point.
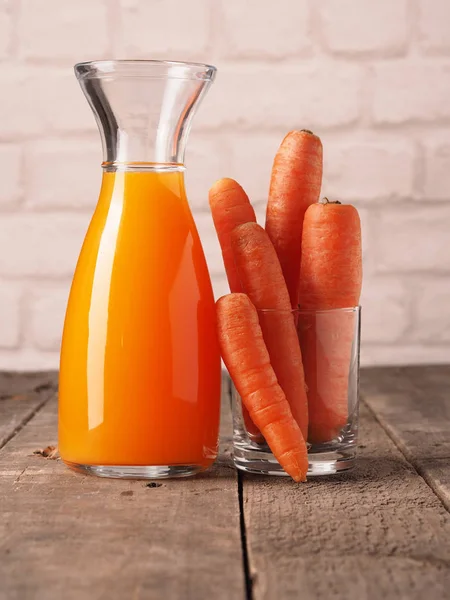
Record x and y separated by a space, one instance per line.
381 531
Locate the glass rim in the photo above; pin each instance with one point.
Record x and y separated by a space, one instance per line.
153 69
300 311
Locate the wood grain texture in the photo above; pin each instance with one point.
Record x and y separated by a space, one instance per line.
436 472
64 535
21 395
413 405
378 532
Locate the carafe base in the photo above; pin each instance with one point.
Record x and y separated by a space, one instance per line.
136 472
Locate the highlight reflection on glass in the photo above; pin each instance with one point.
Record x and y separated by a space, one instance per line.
99 309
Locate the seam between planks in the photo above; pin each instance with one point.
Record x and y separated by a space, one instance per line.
243 528
244 546
433 486
27 419
400 447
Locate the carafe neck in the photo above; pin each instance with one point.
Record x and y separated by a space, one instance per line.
144 109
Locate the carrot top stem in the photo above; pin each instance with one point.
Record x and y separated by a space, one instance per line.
326 201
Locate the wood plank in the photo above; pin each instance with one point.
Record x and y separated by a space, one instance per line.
413 405
436 472
65 535
21 395
378 532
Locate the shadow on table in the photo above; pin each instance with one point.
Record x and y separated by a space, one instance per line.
367 469
373 468
223 468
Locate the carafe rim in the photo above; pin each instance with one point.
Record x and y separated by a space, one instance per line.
150 68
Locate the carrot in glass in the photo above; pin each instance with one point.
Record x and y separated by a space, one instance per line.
330 278
295 184
247 359
230 207
260 273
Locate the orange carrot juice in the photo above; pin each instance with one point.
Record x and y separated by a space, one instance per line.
140 365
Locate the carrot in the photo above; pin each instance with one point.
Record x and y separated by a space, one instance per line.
260 273
294 185
330 278
230 207
247 359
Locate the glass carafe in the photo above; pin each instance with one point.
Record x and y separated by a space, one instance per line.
139 392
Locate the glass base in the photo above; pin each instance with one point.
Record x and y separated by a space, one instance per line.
262 462
136 472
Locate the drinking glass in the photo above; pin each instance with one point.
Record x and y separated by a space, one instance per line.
330 345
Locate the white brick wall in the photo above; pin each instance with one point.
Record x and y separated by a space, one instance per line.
50 165
364 27
11 188
368 171
5 28
163 28
433 26
11 306
371 78
250 30
53 31
40 246
46 306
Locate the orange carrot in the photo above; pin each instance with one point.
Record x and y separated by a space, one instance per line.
230 207
294 185
247 359
330 278
260 273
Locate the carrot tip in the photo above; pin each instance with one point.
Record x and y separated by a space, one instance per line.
300 479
